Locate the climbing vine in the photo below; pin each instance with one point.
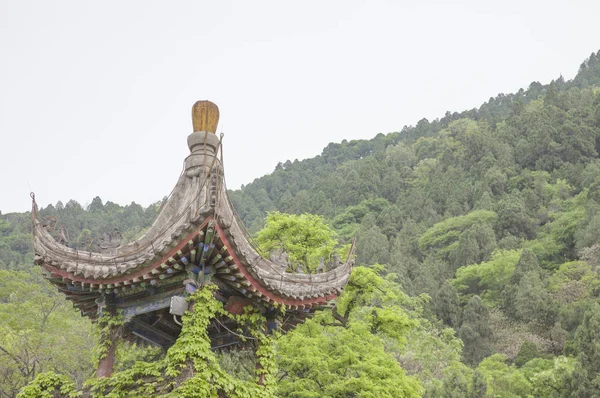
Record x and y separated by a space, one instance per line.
192 353
256 326
189 369
49 385
108 325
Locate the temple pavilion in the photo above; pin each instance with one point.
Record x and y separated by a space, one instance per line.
195 239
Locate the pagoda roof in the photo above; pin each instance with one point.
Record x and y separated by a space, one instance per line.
198 227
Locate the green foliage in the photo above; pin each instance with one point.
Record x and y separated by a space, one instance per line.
39 332
130 353
475 331
108 327
345 354
525 297
15 244
488 278
191 356
563 228
513 219
494 377
573 281
446 304
305 238
548 376
323 361
429 351
585 378
532 300
454 384
50 385
444 234
502 379
348 222
527 352
589 72
475 245
372 244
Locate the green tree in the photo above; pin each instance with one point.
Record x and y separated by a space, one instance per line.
372 246
478 386
39 332
585 378
503 380
475 245
444 235
343 353
305 238
447 305
512 218
527 264
455 383
548 377
487 279
475 331
532 300
527 352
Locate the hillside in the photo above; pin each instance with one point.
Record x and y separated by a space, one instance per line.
480 231
491 212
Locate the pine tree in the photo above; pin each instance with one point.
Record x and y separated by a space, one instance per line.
479 385
532 301
475 331
585 379
447 305
527 263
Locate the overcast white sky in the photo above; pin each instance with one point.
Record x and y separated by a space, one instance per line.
95 97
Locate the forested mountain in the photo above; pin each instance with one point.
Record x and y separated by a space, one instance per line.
480 230
492 212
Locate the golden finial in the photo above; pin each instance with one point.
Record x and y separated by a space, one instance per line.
205 116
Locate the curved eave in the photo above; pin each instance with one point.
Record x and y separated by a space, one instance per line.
166 247
179 218
255 278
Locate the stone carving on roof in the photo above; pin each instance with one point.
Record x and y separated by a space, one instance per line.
281 258
109 241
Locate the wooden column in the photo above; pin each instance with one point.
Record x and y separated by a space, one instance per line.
258 367
106 365
261 375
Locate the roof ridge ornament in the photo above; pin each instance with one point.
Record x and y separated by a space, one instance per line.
205 116
203 142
